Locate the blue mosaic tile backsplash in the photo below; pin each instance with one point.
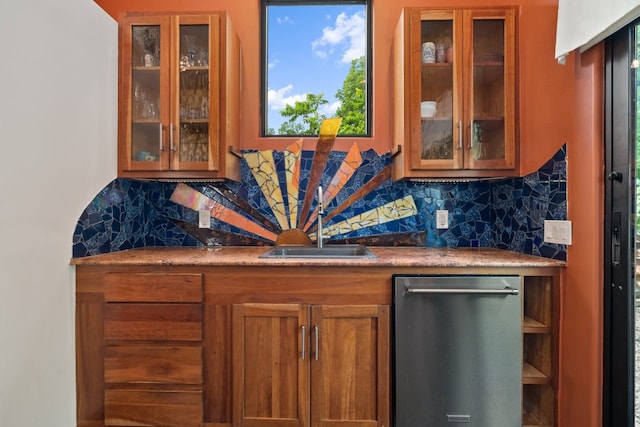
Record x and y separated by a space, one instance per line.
507 214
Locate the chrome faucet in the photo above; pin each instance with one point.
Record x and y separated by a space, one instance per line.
320 213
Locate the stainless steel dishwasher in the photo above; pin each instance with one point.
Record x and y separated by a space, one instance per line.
457 351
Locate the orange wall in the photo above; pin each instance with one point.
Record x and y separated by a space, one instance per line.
558 104
581 361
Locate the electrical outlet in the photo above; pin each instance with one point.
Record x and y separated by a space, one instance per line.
442 219
204 218
557 232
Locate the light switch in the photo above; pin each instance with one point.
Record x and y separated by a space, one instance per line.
204 218
557 232
442 219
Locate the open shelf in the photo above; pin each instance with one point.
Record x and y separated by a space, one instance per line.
532 326
538 408
539 340
531 375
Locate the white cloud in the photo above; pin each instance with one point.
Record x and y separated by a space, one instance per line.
277 99
284 20
329 110
349 34
272 64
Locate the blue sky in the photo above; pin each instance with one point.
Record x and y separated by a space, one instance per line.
310 49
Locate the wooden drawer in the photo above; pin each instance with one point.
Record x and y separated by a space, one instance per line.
153 364
169 408
153 287
167 322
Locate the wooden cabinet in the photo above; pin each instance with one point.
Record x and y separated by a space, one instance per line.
540 351
178 97
149 369
174 337
318 365
153 349
455 93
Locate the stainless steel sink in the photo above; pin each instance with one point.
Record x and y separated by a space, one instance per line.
327 251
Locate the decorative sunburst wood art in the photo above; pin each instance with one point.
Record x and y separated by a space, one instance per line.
295 209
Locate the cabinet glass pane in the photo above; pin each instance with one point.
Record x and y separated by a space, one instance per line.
146 129
488 129
436 108
194 93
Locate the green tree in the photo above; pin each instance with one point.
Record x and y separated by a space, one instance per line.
352 99
303 117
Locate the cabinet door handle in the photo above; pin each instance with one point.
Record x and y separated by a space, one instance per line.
616 229
472 133
460 135
172 146
161 132
615 176
315 338
303 333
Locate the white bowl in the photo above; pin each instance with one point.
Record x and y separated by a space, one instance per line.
427 108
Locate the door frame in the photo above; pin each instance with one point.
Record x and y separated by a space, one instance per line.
619 232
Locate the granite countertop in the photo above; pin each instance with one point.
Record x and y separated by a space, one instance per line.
386 257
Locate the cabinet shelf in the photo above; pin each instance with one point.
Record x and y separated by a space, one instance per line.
147 121
435 119
538 407
143 68
203 120
438 65
532 326
489 119
531 375
195 68
529 420
488 63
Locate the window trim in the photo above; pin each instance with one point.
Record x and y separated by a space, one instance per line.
264 88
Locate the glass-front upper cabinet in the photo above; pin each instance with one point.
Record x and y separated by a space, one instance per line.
176 73
455 76
146 99
438 119
193 133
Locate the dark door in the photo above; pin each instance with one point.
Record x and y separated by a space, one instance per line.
620 227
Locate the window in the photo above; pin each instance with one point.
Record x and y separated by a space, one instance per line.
315 65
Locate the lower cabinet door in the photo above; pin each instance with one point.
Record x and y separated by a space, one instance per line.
302 365
270 365
166 408
350 366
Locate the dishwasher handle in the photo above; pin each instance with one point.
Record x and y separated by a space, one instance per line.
507 290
